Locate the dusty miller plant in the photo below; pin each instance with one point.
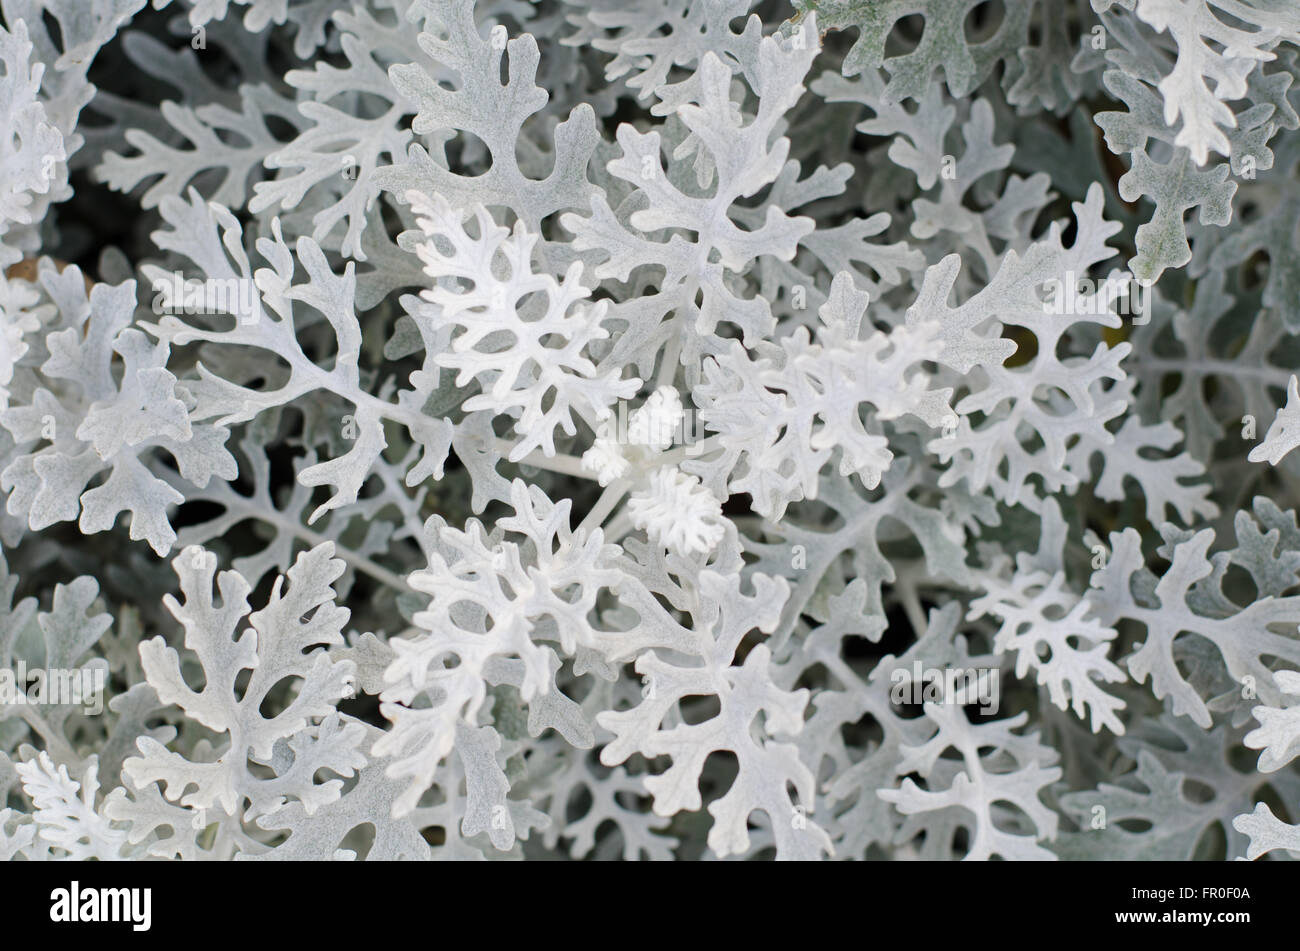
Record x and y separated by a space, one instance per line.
603 429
